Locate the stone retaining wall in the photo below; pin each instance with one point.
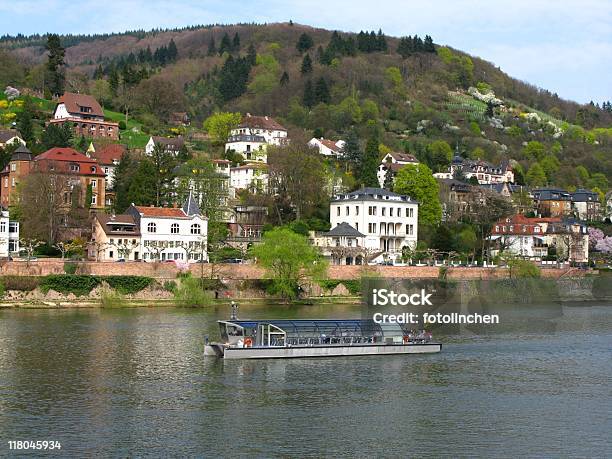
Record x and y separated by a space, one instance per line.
248 271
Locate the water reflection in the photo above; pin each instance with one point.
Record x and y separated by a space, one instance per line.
134 382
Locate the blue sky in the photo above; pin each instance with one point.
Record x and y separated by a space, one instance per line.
561 45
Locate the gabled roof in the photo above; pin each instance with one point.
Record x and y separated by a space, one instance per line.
109 154
260 122
75 104
167 212
65 154
62 157
8 134
343 230
403 157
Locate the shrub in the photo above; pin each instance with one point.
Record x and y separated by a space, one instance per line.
1 289
69 283
111 299
122 125
20 283
353 286
70 268
170 286
329 284
190 294
210 284
126 285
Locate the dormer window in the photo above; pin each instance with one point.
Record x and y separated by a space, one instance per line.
74 168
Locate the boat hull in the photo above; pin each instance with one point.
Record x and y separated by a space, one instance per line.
322 351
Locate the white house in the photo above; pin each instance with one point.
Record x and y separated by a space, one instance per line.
115 237
327 147
388 220
171 145
9 235
166 234
251 147
264 126
393 161
532 237
10 136
251 176
108 156
483 171
343 245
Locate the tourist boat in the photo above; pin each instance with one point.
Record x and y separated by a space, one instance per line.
263 339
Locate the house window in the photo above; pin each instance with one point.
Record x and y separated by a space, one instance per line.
347 210
391 212
174 228
110 254
93 183
13 167
13 182
338 211
6 182
74 167
94 199
2 227
384 211
356 210
195 229
152 228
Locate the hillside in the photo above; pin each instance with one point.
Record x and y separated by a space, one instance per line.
353 82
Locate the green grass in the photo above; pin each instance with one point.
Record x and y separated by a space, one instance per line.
133 135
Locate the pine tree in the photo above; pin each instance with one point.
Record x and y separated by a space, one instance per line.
98 73
381 42
212 49
252 55
24 120
321 91
306 64
428 45
226 44
308 99
388 184
172 52
236 43
113 81
369 166
351 151
55 64
304 43
284 79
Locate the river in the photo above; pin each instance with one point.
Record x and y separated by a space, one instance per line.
134 382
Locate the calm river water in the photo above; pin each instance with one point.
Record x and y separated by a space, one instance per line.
134 382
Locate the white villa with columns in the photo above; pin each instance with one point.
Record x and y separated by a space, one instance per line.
387 220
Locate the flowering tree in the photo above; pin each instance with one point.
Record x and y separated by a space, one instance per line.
604 245
595 235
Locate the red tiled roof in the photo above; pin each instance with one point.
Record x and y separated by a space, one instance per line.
330 144
75 102
522 225
261 122
62 157
109 154
404 157
171 212
221 161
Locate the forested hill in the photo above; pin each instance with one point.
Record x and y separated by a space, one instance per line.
415 94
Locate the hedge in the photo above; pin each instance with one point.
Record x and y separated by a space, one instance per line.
352 285
81 285
128 284
21 283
